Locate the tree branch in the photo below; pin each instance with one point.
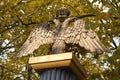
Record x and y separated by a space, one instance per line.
113 41
84 16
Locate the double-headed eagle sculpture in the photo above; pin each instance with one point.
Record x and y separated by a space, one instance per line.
61 35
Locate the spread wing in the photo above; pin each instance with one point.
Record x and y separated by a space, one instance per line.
85 38
39 36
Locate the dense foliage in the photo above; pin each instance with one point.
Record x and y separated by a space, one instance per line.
19 17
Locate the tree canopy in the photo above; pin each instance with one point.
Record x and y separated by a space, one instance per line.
19 17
